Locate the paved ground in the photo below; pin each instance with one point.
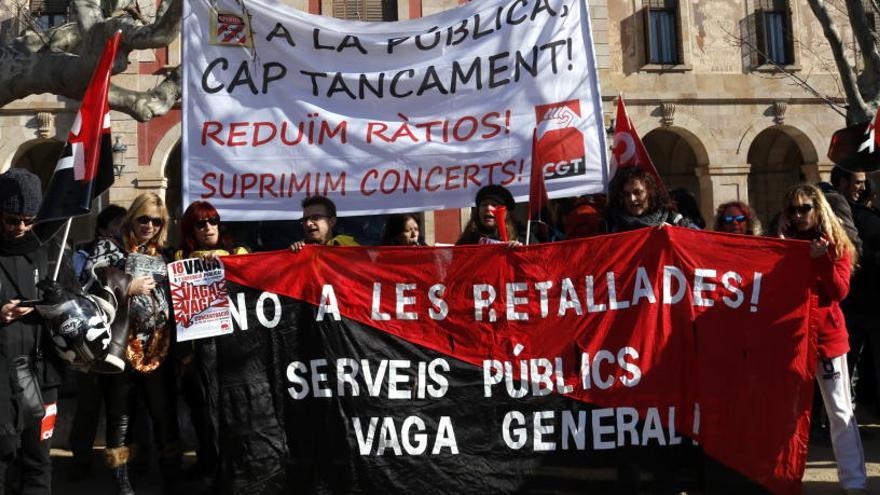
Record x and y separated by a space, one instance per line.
821 475
820 478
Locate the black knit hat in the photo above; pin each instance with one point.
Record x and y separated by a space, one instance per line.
20 193
496 192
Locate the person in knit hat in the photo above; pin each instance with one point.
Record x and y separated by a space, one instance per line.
20 198
23 334
482 223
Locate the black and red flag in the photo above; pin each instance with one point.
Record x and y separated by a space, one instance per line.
85 168
858 144
645 367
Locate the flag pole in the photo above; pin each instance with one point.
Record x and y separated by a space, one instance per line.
61 251
528 231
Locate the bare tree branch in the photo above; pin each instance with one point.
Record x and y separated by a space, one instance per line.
162 32
88 13
858 110
867 44
61 60
144 105
738 41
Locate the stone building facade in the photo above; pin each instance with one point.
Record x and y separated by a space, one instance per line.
711 85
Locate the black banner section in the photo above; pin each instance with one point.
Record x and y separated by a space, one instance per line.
336 406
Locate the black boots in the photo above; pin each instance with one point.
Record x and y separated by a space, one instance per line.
117 458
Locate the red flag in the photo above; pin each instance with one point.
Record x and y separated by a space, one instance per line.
85 169
500 214
538 199
628 150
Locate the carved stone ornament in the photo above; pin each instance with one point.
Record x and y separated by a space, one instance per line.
668 112
779 108
46 124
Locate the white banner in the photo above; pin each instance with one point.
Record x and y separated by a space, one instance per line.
279 104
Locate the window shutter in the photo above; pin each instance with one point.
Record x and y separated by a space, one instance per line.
649 43
761 37
679 41
359 10
788 37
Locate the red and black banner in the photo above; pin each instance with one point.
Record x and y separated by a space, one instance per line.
85 168
648 361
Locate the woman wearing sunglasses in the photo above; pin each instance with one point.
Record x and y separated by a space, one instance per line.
144 234
201 236
737 217
808 216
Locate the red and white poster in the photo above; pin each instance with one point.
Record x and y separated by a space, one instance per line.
199 298
383 117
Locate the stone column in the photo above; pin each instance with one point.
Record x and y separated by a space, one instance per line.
815 172
720 184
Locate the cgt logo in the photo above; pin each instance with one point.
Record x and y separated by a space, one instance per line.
560 149
565 168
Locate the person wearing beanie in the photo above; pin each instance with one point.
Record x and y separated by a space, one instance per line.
482 223
25 341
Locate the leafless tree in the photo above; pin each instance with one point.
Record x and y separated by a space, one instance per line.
862 88
60 60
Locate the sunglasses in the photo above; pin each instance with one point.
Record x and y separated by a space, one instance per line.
731 218
16 221
144 220
213 221
801 209
313 218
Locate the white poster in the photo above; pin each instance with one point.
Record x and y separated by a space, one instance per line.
199 298
279 104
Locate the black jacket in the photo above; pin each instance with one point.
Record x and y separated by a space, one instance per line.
865 288
23 264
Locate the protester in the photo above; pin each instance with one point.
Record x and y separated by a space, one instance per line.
808 216
109 224
151 377
841 209
684 202
201 237
402 230
29 388
91 387
860 307
736 217
636 201
585 217
482 224
318 222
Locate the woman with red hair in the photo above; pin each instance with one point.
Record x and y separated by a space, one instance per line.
201 236
736 217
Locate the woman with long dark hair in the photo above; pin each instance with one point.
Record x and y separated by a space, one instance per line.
636 201
402 230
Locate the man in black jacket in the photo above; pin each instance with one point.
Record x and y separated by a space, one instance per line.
24 339
860 307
